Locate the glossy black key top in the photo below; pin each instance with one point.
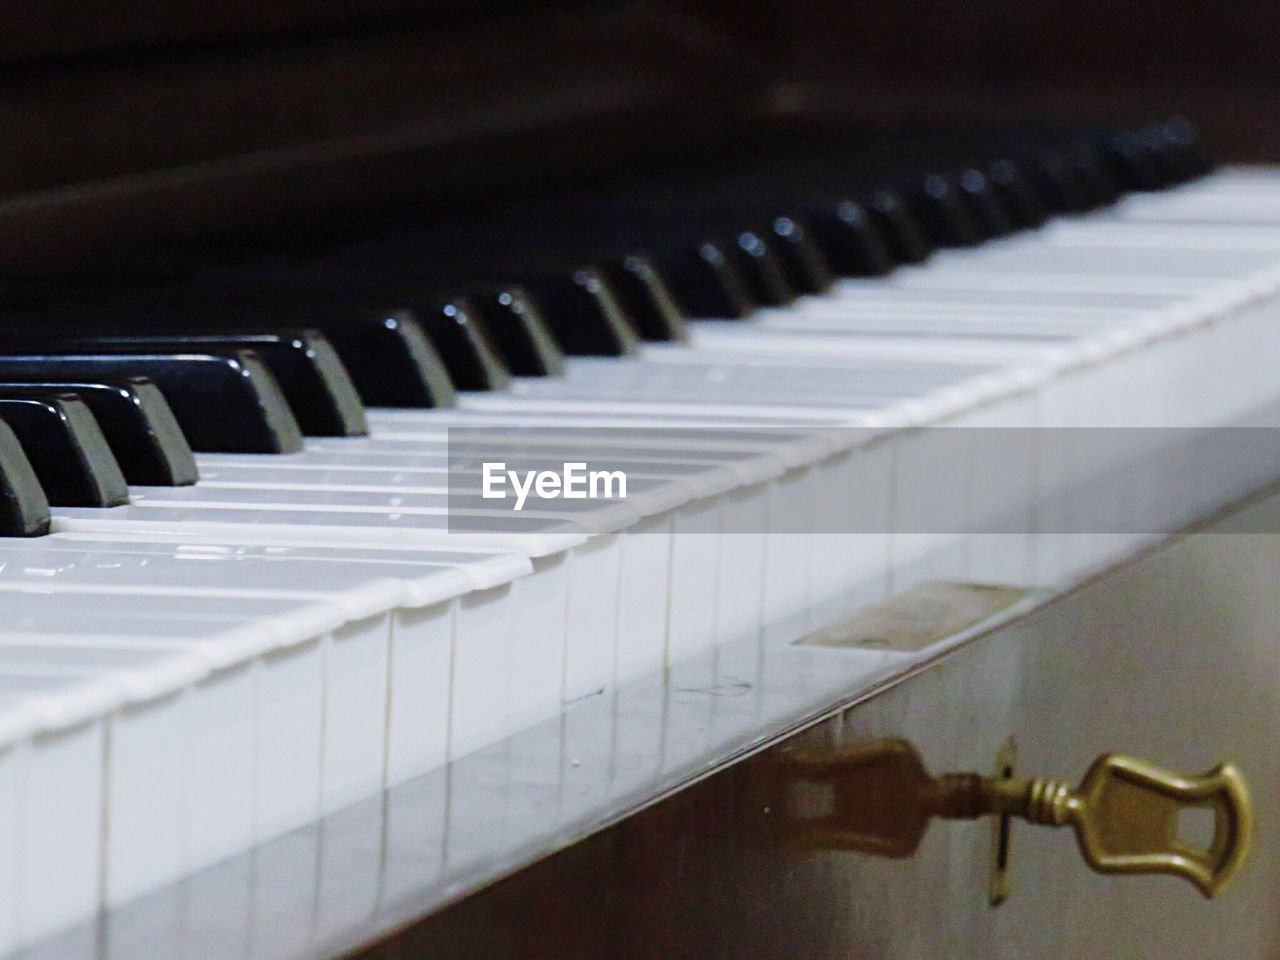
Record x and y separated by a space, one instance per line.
384 352
582 312
804 265
1182 149
1096 178
519 333
906 236
225 401
853 245
456 330
71 457
766 282
1020 200
316 384
391 359
1057 183
705 282
943 214
138 424
24 509
985 204
645 296
576 302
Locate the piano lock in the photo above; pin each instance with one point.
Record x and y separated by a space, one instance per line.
877 798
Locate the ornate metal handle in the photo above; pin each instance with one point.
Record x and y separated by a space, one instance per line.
878 798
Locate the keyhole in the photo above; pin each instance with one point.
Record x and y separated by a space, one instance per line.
1001 831
1002 840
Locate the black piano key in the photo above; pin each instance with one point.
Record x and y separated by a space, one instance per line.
577 304
71 457
456 330
1182 149
1024 206
518 331
390 359
1096 177
1058 184
385 353
1131 161
582 312
138 424
225 401
24 509
576 301
853 245
905 234
984 202
766 282
1164 153
643 292
943 214
704 280
315 383
636 282
803 262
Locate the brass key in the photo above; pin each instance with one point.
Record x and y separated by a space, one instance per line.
878 798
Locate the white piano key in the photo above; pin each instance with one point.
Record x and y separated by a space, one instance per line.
485 568
643 600
358 724
10 872
147 795
528 535
546 630
144 794
421 638
744 516
149 739
481 678
705 478
356 668
591 627
219 752
538 633
846 569
694 572
155 794
788 549
287 761
60 838
53 735
647 444
592 516
422 642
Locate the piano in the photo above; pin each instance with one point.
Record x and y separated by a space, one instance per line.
578 480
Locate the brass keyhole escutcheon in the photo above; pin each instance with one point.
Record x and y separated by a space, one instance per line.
878 798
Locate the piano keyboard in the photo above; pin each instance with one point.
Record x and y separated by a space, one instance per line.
191 667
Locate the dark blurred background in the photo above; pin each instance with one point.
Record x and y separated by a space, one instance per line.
1217 63
168 117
